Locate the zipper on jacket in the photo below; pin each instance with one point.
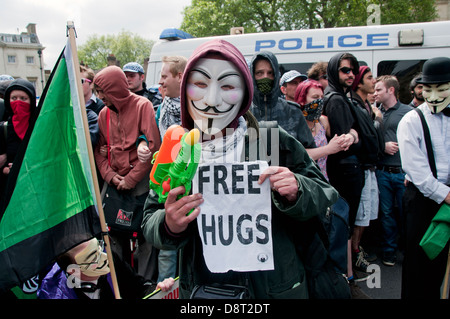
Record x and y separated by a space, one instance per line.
265 106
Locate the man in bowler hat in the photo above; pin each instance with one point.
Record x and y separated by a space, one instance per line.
427 184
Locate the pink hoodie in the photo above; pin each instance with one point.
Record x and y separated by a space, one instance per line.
134 116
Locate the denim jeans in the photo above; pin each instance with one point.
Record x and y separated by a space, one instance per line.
167 264
391 189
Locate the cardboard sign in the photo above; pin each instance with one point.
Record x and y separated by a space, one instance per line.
174 293
235 219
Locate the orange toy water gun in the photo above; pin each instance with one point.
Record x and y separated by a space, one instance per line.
168 173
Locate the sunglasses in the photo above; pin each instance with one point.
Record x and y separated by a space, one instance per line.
85 80
346 70
325 77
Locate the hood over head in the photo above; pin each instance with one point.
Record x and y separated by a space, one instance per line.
113 82
219 49
333 71
23 85
267 55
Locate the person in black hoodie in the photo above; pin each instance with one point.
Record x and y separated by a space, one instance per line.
267 103
20 111
344 169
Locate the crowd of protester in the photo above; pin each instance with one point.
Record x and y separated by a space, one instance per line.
322 153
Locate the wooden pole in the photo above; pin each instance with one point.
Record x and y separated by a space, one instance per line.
447 271
71 31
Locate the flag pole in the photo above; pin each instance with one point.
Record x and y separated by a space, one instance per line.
447 272
71 34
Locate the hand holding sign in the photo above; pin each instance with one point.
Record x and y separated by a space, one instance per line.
176 210
166 284
282 180
236 216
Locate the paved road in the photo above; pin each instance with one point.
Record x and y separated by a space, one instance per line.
385 281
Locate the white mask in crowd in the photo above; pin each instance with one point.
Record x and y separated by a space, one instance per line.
214 94
92 260
437 96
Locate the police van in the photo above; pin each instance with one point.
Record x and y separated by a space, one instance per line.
397 49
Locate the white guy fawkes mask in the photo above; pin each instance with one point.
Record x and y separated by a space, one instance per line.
214 94
437 96
92 260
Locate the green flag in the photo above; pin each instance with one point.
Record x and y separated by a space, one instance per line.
438 233
51 208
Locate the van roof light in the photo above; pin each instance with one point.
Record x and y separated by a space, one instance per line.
410 37
172 34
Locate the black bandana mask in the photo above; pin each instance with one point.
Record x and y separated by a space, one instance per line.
265 85
313 110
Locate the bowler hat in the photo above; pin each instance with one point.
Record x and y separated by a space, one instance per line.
435 70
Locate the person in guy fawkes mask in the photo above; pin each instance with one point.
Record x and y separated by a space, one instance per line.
427 189
267 103
216 93
88 264
83 273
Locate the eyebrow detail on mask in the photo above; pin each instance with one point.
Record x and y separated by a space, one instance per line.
92 254
227 75
220 78
438 85
202 72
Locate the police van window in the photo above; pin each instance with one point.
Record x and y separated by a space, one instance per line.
405 71
302 67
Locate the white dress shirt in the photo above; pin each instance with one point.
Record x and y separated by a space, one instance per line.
414 153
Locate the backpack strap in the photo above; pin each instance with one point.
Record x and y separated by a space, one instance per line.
426 133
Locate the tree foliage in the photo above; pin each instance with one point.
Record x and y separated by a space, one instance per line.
216 17
126 47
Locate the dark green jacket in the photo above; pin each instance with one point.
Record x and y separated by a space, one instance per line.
287 280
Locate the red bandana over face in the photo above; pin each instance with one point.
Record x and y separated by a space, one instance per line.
21 117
